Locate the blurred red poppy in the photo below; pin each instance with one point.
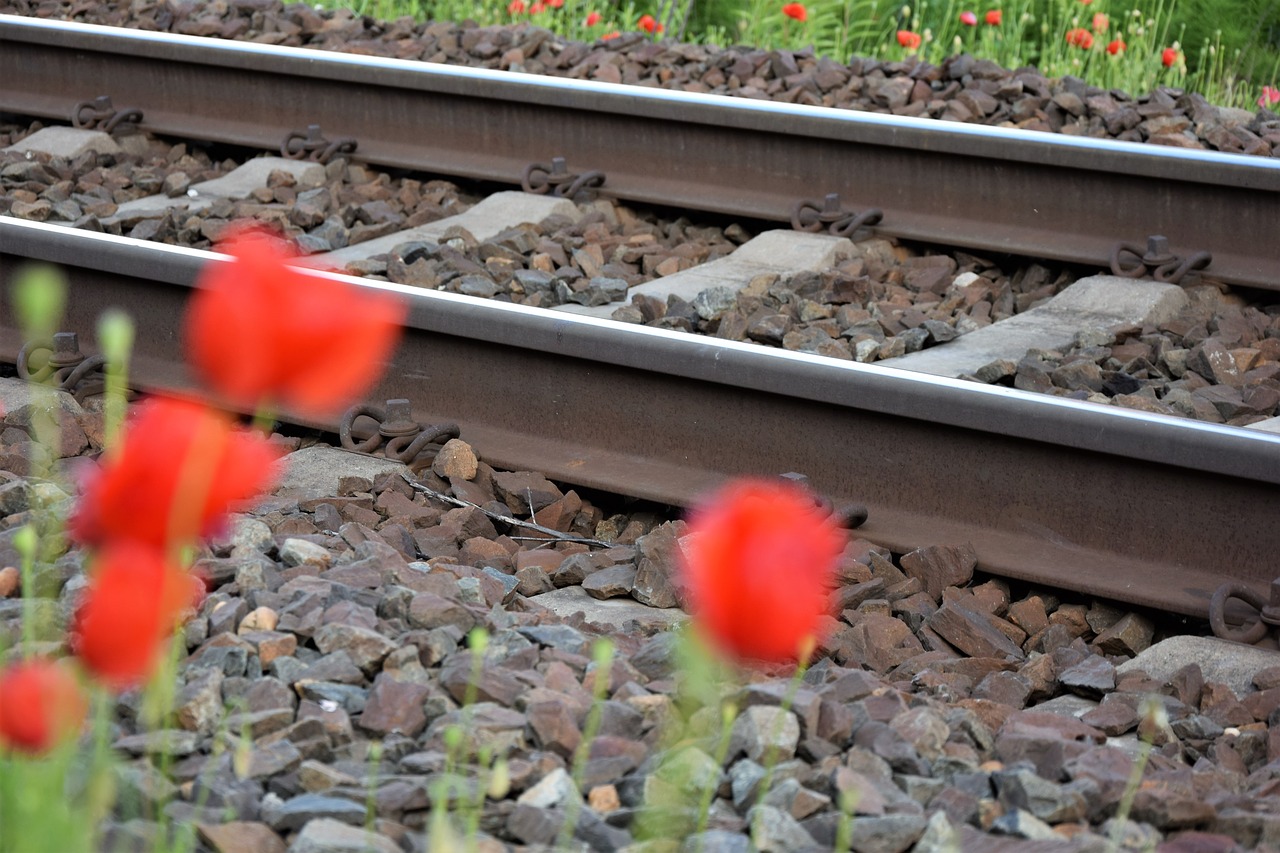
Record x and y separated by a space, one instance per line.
759 564
613 34
263 333
908 39
1117 47
649 24
969 19
1101 22
40 706
131 607
796 11
1169 56
1080 37
180 468
515 7
994 17
1270 95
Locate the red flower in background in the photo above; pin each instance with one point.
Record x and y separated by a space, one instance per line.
177 472
593 18
994 17
1270 95
130 609
263 333
555 4
1169 56
969 19
759 564
515 7
1100 23
40 705
649 24
1080 37
908 39
1117 47
610 35
537 9
796 11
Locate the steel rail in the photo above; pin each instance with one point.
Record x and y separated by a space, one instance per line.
990 189
1140 508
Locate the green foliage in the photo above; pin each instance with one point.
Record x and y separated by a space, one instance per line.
1227 49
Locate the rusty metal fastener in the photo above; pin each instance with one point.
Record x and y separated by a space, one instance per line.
310 144
848 514
809 215
405 438
1254 629
100 114
1130 261
540 179
60 363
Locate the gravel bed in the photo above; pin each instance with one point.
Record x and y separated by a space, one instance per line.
962 89
950 707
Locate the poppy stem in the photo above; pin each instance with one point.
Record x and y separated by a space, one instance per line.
771 751
728 713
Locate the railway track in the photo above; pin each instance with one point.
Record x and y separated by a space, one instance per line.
1113 503
665 417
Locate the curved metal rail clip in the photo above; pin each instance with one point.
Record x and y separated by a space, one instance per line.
310 144
812 216
848 514
540 179
1254 628
405 438
60 364
1130 261
99 114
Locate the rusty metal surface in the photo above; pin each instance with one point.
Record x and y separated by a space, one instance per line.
992 189
1139 508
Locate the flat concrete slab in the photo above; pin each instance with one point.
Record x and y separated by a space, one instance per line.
68 142
317 471
614 612
1231 664
773 252
235 185
1269 425
484 221
1097 302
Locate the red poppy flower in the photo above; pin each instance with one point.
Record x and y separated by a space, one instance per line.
1169 56
759 564
593 18
1101 22
610 35
796 11
1270 95
649 24
994 17
555 4
537 9
908 39
969 19
515 7
1080 37
263 333
40 706
1117 47
130 609
177 472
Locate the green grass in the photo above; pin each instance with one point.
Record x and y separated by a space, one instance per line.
1226 49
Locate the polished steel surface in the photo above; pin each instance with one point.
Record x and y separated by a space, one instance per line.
991 189
1146 509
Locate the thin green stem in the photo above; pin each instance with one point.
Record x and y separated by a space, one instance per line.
728 713
771 750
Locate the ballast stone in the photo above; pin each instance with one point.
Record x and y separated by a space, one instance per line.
1097 302
1232 664
773 252
319 470
484 221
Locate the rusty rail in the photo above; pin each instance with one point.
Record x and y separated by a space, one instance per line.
1139 508
991 189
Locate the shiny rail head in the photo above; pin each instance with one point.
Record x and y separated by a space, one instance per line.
1258 173
1231 451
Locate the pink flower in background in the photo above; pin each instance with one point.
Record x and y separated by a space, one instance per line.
1270 95
969 19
